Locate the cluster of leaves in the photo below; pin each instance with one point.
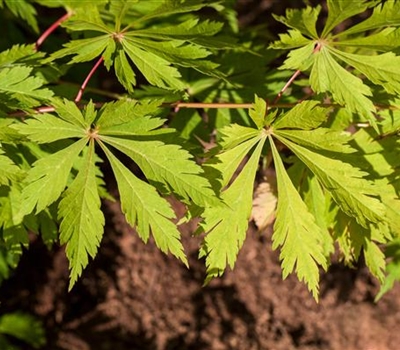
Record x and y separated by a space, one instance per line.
332 141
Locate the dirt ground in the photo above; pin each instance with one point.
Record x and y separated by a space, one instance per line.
134 297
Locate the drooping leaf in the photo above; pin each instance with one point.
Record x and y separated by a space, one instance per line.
382 69
48 178
170 165
82 221
356 196
296 231
146 210
226 225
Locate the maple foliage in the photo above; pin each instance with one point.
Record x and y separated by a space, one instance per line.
325 124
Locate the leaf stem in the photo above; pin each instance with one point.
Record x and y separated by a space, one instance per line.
83 86
51 29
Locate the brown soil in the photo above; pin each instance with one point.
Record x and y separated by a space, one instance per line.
134 297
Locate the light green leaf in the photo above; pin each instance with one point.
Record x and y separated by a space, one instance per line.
122 112
46 128
234 134
227 163
345 183
258 112
321 139
306 115
9 171
380 69
226 226
70 112
17 83
303 20
170 165
296 231
384 15
301 58
82 220
48 178
157 71
146 210
125 74
17 53
83 49
291 40
24 10
386 40
339 10
190 29
171 7
348 90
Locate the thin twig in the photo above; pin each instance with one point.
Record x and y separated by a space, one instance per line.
289 82
51 29
49 109
83 86
211 105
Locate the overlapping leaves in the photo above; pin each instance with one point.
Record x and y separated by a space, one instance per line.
167 166
323 53
155 51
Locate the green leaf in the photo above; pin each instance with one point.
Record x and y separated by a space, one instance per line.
380 69
291 40
170 165
306 115
24 10
385 40
9 171
17 83
146 210
321 139
190 29
23 327
301 58
296 231
258 112
18 53
347 90
125 74
46 128
384 14
69 111
351 192
82 49
303 20
156 70
339 10
226 226
48 178
82 220
120 113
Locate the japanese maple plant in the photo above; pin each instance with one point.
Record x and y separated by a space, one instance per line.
298 131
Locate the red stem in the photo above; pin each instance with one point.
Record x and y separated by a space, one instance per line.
83 86
289 82
51 29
